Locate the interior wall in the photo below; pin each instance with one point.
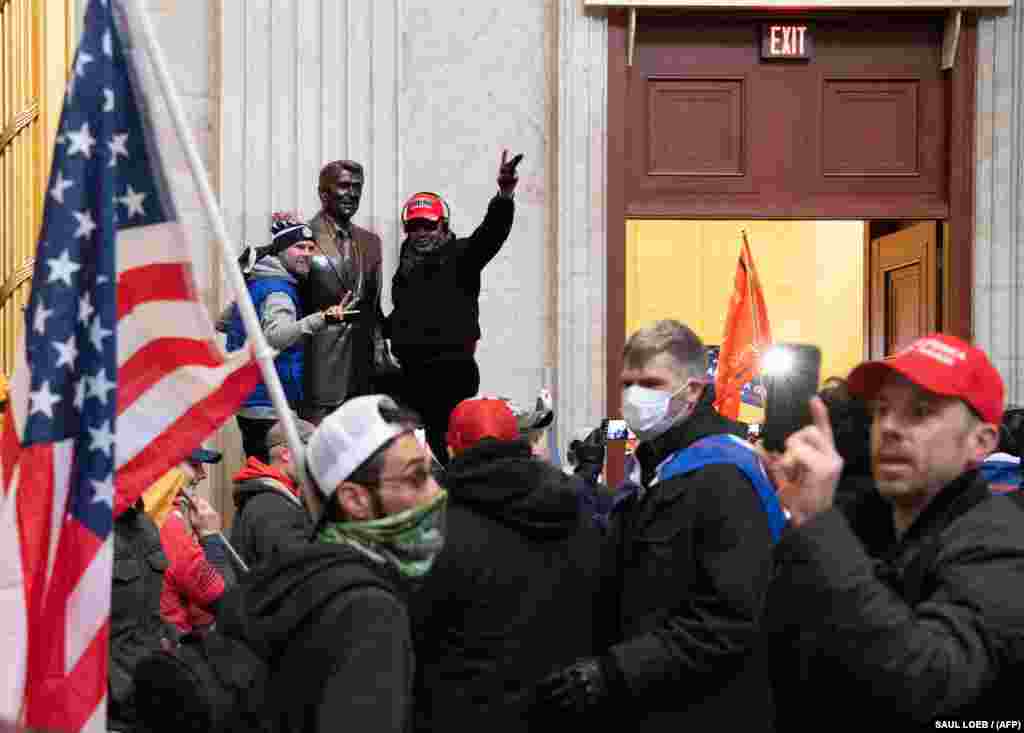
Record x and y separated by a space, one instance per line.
812 274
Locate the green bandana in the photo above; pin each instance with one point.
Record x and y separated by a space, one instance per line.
409 540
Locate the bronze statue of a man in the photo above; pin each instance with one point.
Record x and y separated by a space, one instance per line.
346 267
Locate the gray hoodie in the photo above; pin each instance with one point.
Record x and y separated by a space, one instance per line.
278 319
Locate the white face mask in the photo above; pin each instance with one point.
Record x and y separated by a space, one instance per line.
646 410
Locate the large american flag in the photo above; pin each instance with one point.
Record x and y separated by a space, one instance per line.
119 378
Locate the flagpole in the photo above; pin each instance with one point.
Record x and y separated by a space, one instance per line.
750 289
262 351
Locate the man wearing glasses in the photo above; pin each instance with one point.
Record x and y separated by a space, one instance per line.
332 616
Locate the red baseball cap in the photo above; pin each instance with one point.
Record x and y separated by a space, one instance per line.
473 420
941 364
423 206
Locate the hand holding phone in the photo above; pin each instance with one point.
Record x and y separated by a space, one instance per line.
617 430
791 373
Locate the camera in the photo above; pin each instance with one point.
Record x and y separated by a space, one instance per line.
617 430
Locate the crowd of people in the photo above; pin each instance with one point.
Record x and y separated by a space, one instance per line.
455 578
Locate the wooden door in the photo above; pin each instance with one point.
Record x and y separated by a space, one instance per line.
904 295
859 131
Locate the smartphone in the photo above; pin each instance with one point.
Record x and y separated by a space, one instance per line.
617 430
790 377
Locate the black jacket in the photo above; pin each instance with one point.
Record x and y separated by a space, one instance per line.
514 595
267 520
934 630
135 624
695 559
436 299
334 629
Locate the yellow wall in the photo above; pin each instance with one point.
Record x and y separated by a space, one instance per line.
812 273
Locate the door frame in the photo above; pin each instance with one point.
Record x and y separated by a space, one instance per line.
959 247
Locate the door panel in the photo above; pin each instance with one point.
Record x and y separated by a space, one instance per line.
904 287
859 131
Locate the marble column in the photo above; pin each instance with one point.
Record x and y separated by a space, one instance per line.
998 256
582 240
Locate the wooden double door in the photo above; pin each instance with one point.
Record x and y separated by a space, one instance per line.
871 127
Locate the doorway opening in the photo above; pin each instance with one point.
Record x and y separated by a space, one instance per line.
857 289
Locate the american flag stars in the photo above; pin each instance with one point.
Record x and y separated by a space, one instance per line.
117 147
82 141
60 186
133 200
62 268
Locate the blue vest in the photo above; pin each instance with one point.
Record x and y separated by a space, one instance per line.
289 362
716 449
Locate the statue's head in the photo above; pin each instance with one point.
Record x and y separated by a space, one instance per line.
341 187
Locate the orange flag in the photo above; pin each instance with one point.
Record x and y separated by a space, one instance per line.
747 336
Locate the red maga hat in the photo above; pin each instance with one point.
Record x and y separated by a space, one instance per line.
473 420
427 206
941 364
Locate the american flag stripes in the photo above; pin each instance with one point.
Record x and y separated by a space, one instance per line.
119 378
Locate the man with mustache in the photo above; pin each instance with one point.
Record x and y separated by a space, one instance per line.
933 628
346 268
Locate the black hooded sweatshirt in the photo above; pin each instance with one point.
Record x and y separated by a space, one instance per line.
334 628
437 297
515 594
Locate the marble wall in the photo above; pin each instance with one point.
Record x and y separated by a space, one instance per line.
426 95
999 190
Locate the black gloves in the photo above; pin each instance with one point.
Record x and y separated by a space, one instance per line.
507 177
588 454
573 690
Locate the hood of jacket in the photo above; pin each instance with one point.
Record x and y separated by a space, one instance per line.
256 477
271 267
504 481
281 596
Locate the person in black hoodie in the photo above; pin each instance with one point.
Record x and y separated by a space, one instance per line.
516 592
694 547
331 618
932 633
269 512
435 324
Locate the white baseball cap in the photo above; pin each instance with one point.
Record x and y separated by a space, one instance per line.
347 437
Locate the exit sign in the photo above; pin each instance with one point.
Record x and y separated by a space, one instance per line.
786 41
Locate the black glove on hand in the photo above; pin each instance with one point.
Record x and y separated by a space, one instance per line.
575 689
507 177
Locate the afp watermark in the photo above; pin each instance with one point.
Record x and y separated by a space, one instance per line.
978 724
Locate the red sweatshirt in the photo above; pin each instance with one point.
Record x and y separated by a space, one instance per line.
191 584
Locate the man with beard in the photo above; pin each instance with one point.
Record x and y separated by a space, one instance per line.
331 618
931 630
347 268
435 324
274 288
